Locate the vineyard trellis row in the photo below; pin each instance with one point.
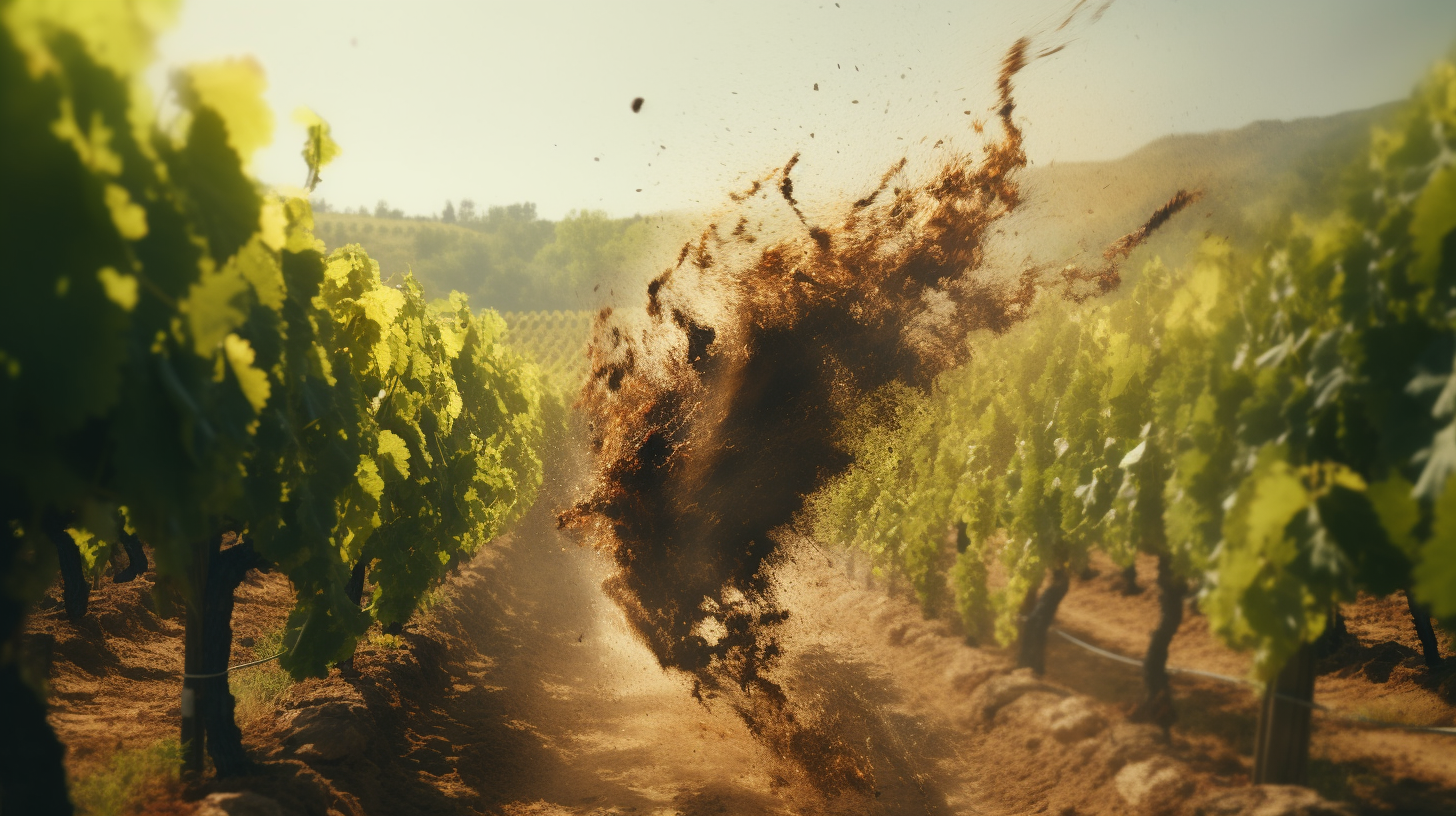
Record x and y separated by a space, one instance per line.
181 365
1277 426
556 341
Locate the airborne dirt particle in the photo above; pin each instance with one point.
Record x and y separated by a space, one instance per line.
637 105
714 421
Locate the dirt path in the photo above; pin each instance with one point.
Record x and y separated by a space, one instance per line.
527 695
523 693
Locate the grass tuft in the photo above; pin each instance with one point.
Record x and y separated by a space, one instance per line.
440 595
384 641
256 689
129 781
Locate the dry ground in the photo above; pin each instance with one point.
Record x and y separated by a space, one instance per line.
523 693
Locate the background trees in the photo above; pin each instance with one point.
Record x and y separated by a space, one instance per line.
507 256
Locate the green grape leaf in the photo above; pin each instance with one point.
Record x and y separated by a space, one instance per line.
216 306
1351 518
118 36
1440 462
253 381
1263 511
130 218
234 89
395 453
1435 580
121 289
319 148
223 203
1194 302
259 267
367 475
1126 360
1433 216
320 632
1394 502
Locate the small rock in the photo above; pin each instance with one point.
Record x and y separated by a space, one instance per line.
905 633
1153 784
431 755
1270 800
1132 742
328 732
896 633
243 803
1072 720
998 692
965 674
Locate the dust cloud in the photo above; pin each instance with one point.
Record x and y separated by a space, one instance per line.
716 410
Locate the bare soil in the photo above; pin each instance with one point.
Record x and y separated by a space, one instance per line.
524 693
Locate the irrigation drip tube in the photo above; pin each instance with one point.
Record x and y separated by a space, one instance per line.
230 669
1238 681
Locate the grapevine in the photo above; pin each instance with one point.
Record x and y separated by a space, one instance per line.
181 365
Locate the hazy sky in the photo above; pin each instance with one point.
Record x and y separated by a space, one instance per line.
530 101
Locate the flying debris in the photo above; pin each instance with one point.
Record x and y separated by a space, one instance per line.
715 414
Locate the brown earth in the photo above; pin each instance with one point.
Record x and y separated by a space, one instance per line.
1378 674
523 693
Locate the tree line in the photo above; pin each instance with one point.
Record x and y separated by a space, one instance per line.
507 256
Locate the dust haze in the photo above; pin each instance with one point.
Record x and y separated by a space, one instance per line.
714 410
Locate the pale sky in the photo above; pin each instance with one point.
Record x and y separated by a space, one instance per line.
530 101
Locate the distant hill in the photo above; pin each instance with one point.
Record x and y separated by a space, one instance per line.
1249 177
512 261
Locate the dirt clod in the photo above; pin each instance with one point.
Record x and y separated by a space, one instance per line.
243 803
717 410
1269 800
328 732
1073 720
1153 785
999 692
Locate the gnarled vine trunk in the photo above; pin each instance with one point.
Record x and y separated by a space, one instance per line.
32 773
136 559
1281 746
1129 580
32 776
74 587
1422 618
208 705
1032 652
1157 704
1334 634
354 591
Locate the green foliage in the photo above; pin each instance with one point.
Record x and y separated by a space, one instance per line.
1281 422
319 148
174 342
465 414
